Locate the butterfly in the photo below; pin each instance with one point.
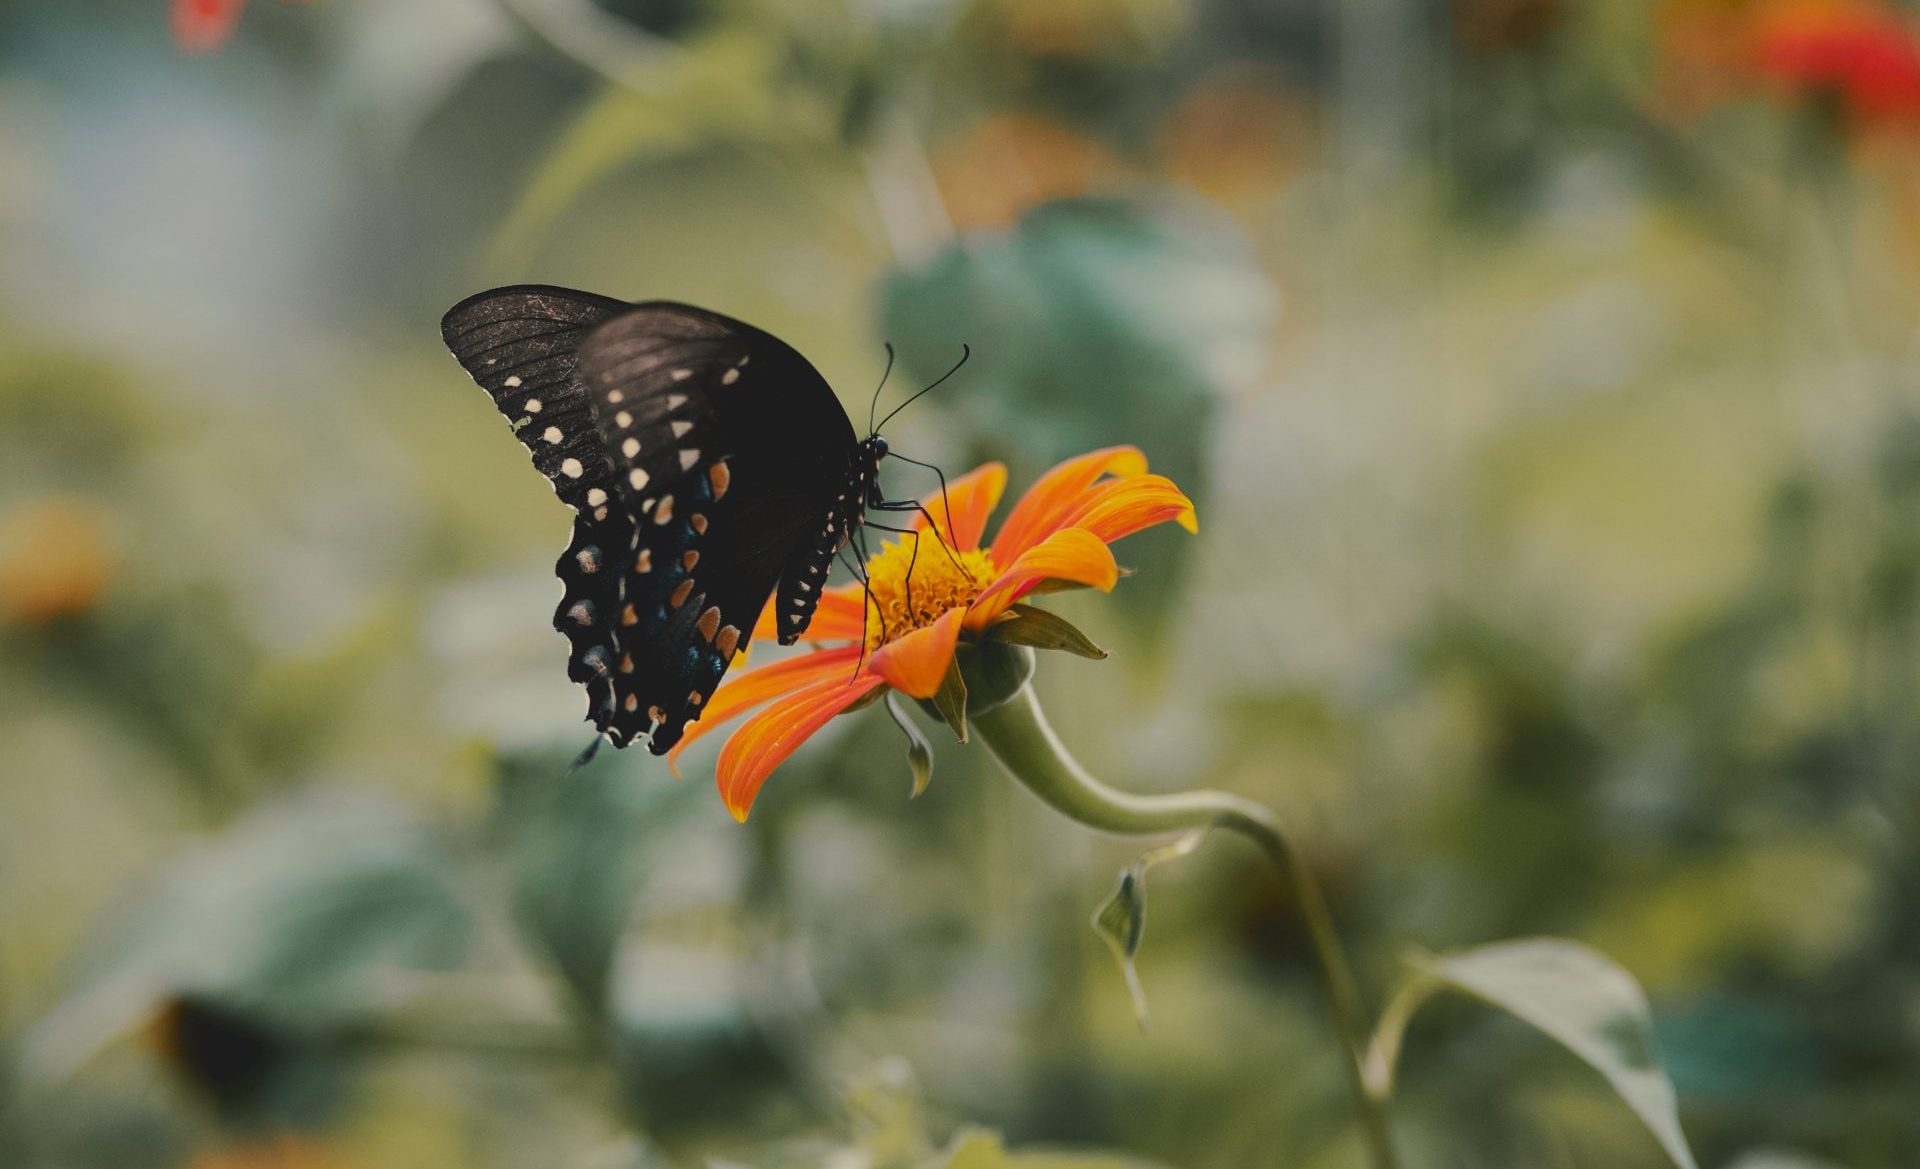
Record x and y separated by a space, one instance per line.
709 466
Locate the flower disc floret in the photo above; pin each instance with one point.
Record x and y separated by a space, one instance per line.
911 590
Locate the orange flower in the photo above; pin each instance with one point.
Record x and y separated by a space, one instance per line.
1057 534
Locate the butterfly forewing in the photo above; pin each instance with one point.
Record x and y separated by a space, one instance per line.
522 346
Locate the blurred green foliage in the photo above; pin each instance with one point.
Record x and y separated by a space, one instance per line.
1546 377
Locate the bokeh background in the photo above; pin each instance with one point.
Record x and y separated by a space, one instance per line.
1546 376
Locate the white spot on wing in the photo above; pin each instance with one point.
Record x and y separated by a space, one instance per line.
681 375
630 448
681 427
623 420
572 469
596 497
513 381
552 434
534 406
637 477
688 458
729 377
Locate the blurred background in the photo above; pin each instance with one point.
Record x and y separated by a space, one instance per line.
1546 376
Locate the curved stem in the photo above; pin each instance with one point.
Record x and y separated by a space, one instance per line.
1018 734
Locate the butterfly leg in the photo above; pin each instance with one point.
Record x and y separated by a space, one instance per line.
913 557
866 603
907 505
945 506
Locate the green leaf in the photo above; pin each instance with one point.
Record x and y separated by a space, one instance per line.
919 750
1574 995
1043 630
1121 920
572 842
1093 321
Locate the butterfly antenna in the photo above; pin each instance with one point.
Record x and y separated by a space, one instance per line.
966 351
875 403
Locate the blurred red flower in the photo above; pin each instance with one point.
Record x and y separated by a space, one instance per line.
201 26
1859 57
1860 54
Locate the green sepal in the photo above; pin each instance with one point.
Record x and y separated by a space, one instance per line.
949 703
919 750
1040 629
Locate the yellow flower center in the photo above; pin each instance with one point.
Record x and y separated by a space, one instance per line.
902 602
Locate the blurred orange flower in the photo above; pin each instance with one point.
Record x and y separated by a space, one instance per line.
54 560
1006 165
1057 532
278 1151
1237 138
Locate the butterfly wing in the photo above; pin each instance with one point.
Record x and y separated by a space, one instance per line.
522 345
728 449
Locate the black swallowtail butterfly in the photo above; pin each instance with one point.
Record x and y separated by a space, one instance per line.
708 465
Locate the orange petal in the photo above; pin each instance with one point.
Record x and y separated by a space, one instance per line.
972 498
1121 507
764 741
1039 511
1070 554
916 663
836 618
744 691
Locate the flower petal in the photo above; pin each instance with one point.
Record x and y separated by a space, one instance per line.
743 691
836 618
764 741
1038 514
1070 554
1121 507
916 663
972 498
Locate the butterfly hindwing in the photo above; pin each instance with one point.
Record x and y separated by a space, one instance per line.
727 448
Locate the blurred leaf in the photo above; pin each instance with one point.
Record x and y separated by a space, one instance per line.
399 62
974 1148
919 750
1044 630
888 1114
716 87
293 916
575 852
1574 995
1092 322
1780 1159
1121 921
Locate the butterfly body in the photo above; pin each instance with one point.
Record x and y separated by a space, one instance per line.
709 467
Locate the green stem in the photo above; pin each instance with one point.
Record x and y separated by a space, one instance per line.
1018 734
